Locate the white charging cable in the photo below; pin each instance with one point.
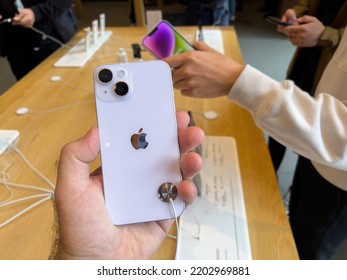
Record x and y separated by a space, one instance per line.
8 184
45 36
26 198
4 179
14 148
46 195
24 110
168 192
176 221
60 80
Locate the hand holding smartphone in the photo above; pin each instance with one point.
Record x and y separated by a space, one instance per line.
164 41
138 140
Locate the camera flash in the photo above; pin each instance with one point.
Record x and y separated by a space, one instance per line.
121 73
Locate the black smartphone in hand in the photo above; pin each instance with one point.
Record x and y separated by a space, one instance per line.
277 21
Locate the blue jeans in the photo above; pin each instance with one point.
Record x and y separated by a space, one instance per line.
215 12
221 14
232 8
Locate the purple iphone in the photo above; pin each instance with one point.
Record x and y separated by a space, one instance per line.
164 41
138 141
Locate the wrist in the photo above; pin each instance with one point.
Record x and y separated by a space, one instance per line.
237 70
329 38
98 249
62 253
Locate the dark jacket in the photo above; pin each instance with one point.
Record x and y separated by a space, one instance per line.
54 18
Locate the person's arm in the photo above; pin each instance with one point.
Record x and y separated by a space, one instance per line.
50 8
313 127
305 33
84 229
41 12
311 32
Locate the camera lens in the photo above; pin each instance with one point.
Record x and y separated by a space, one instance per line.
121 88
105 76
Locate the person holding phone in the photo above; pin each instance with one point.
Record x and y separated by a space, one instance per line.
25 48
84 229
316 29
314 127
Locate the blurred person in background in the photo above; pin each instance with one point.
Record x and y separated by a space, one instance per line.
25 48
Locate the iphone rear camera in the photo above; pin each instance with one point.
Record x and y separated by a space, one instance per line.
105 76
121 88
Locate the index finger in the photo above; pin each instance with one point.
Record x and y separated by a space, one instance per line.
293 30
176 61
183 119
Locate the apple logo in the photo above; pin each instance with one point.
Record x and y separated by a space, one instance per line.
138 140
